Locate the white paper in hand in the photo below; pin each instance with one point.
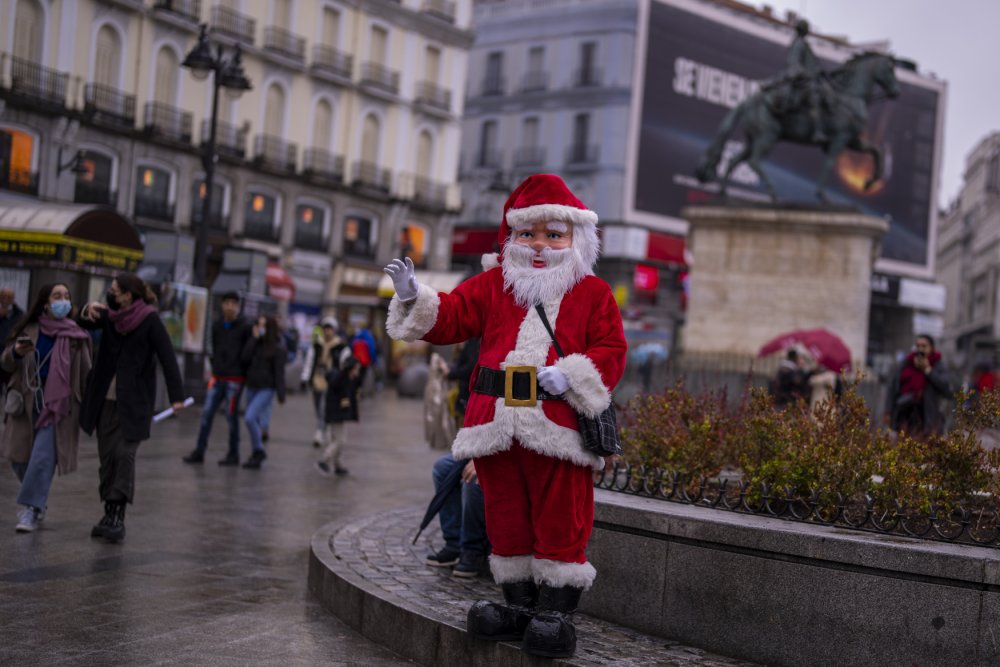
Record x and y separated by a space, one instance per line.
157 418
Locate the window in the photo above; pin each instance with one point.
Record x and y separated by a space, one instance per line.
493 82
487 145
18 161
310 227
581 134
152 193
29 28
413 243
529 133
94 185
107 58
219 213
322 125
370 140
331 27
377 47
260 217
588 74
274 111
432 64
282 14
360 236
536 59
425 155
167 69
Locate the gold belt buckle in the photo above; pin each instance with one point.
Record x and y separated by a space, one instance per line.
508 387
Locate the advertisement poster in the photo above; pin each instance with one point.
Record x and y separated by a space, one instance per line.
183 309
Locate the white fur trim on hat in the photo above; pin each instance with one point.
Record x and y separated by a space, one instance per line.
519 218
557 573
511 569
490 260
587 393
411 321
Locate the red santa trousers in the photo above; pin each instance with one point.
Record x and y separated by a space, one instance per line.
538 506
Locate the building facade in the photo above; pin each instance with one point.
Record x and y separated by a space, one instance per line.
341 156
968 261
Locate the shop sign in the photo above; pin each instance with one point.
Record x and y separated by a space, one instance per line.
67 251
647 278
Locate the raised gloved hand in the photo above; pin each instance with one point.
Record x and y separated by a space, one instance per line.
553 380
403 279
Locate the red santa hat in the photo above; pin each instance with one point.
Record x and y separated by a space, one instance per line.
546 198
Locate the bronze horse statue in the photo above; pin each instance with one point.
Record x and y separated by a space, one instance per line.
779 112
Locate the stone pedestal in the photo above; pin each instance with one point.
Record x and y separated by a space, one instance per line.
760 272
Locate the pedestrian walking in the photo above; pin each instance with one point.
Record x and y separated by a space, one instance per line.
229 336
341 406
319 361
264 358
47 356
121 393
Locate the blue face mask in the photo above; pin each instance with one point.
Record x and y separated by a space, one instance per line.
60 309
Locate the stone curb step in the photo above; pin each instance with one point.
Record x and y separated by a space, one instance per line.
368 574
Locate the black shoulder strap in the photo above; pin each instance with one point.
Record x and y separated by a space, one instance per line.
548 327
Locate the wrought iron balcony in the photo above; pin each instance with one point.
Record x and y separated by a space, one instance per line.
433 96
107 104
323 165
233 24
262 231
230 140
275 153
284 42
35 83
493 84
332 61
587 77
429 193
529 156
94 193
19 180
370 175
167 121
154 208
188 9
381 77
442 9
581 155
535 81
310 238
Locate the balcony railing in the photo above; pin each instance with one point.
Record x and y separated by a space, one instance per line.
323 165
332 61
109 104
581 155
587 77
535 81
442 9
19 180
488 159
284 42
309 239
188 9
433 95
262 231
274 152
381 77
154 208
230 140
371 175
36 83
493 84
233 24
94 193
167 121
529 156
429 193
217 220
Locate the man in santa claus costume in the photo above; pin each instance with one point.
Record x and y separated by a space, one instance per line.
521 418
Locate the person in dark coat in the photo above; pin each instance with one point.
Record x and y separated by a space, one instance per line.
264 356
341 406
918 390
121 392
229 336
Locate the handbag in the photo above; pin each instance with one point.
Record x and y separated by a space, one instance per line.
600 434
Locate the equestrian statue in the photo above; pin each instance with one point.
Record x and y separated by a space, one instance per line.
807 106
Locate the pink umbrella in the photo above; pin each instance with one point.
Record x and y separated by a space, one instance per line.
826 348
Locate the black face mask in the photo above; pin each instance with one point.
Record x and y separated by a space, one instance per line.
112 301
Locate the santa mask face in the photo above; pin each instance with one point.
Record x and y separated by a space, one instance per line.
540 263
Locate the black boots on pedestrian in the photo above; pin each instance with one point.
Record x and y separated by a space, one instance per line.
115 531
196 456
256 458
551 633
504 622
101 527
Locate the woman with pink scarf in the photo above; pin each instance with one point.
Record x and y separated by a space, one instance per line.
48 357
121 391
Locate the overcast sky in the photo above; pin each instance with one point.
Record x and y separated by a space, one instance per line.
957 40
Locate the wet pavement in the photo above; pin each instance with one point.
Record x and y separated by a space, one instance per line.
213 568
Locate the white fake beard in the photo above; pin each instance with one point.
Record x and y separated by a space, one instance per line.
531 286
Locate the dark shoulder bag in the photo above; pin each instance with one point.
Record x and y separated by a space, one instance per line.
600 433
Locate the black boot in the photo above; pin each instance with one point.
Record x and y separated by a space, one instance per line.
101 527
115 532
256 458
551 633
504 622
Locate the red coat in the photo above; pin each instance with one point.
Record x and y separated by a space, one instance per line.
588 325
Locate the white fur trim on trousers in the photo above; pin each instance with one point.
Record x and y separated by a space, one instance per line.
557 574
511 569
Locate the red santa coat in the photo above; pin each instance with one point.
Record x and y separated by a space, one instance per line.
588 326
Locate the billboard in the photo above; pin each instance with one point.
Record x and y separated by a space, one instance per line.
700 62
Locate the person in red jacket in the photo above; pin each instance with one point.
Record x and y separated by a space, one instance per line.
521 419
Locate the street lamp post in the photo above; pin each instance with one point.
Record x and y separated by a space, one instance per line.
226 74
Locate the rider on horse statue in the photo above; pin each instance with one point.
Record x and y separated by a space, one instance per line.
803 69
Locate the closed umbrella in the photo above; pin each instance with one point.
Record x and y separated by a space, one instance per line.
451 480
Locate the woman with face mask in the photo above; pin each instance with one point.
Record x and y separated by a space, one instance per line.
48 356
121 392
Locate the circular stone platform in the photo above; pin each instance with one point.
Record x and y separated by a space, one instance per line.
367 572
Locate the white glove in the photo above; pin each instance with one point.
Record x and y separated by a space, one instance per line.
553 380
403 279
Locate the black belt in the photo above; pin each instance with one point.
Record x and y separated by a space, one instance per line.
514 385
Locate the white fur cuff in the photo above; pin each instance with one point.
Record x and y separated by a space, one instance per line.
411 321
587 393
557 573
518 218
511 569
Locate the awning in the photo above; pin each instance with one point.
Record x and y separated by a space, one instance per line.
280 285
439 281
